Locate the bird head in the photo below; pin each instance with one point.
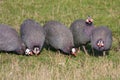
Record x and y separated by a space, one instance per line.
28 52
69 50
73 51
21 49
89 20
36 50
100 43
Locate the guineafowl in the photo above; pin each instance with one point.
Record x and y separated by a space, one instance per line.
81 30
59 37
10 41
33 36
101 39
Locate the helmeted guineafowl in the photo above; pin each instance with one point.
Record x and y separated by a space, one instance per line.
10 41
59 37
81 30
33 36
101 39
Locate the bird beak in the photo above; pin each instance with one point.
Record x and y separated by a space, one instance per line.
30 53
74 54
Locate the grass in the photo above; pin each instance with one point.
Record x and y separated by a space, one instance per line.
52 66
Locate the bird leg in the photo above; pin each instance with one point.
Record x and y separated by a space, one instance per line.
78 50
85 50
48 49
93 52
58 52
104 53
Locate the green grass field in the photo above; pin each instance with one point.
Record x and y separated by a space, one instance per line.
50 65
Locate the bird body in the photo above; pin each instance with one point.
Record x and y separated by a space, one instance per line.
81 30
33 35
104 35
9 40
58 36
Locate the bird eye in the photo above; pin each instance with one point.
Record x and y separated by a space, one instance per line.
102 44
98 43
